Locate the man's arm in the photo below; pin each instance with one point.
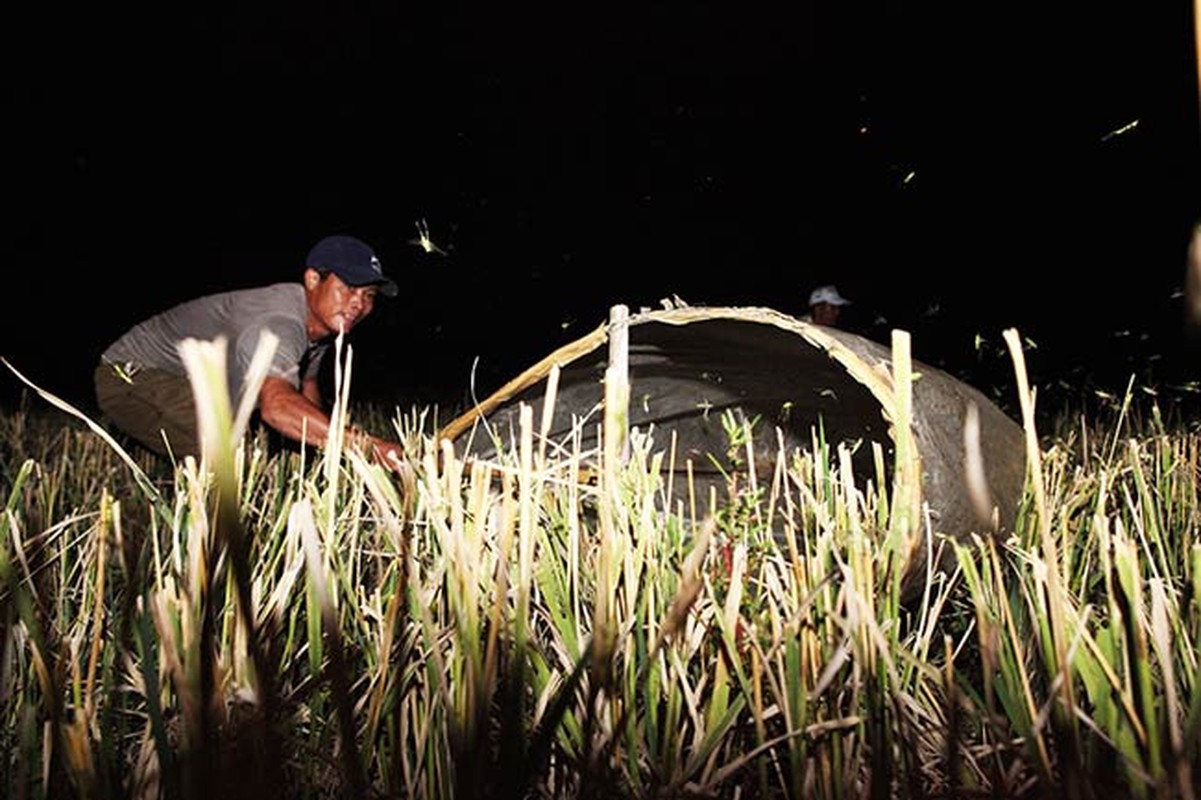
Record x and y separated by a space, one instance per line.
311 389
299 416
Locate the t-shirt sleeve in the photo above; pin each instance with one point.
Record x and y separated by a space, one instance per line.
288 352
316 357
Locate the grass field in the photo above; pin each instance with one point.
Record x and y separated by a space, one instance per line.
283 624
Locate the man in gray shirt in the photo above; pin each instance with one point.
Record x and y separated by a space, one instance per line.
143 388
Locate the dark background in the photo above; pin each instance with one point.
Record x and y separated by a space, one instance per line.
955 168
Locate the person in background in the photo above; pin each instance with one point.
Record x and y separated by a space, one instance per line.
825 306
143 389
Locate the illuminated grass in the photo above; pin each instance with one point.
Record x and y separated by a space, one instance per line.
309 625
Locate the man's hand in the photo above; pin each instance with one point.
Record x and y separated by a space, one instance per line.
297 416
386 453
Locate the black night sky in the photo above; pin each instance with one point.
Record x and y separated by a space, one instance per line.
955 168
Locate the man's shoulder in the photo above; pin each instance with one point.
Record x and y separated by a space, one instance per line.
279 307
282 289
252 295
278 297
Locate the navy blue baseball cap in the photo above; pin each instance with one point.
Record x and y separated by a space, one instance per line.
353 261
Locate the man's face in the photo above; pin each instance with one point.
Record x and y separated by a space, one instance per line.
335 307
826 314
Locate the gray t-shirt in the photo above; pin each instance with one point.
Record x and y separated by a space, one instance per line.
240 316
